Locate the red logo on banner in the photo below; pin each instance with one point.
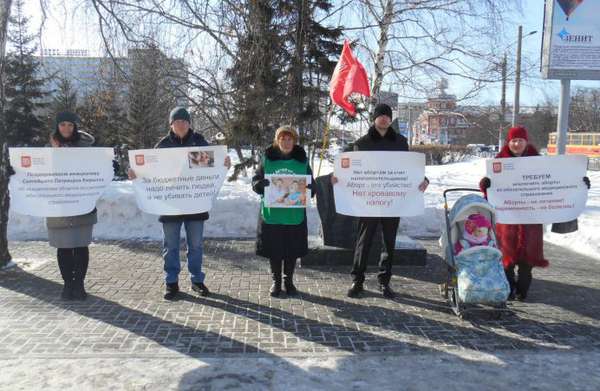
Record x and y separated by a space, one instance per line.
497 167
139 160
25 161
345 162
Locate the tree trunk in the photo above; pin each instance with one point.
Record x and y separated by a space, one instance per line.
238 151
5 257
4 204
384 26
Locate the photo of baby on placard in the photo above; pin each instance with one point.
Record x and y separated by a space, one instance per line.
286 191
200 159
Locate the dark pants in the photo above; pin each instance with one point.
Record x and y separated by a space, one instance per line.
289 265
367 226
523 280
73 264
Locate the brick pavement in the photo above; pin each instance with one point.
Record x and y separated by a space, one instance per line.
125 314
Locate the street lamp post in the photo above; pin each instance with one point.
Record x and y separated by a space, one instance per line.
515 118
502 103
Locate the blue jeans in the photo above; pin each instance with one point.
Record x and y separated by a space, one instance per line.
194 232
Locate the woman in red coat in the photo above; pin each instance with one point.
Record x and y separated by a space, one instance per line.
522 245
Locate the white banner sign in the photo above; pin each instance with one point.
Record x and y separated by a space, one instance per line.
178 181
286 191
538 189
58 182
571 41
379 184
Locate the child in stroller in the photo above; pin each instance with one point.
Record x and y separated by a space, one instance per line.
475 273
477 232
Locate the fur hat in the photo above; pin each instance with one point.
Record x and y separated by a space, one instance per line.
286 129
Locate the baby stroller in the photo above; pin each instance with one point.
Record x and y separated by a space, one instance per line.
476 278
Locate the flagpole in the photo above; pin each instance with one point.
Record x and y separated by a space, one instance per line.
325 137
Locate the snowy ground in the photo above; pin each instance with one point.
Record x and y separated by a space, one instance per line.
236 208
466 371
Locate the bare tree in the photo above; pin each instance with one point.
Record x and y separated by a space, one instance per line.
585 110
210 37
413 42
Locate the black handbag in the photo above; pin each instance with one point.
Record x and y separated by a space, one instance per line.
565 228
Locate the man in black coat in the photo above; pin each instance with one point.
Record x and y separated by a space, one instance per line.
380 137
182 135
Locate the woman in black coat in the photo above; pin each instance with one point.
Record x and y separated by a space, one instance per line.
282 234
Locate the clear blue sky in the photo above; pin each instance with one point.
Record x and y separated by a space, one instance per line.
79 32
533 89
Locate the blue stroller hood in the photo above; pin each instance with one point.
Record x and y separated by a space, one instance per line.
469 204
460 211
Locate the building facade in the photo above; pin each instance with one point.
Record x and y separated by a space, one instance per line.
440 122
87 74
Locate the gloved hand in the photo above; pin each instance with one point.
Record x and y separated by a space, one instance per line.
259 186
485 183
587 182
11 171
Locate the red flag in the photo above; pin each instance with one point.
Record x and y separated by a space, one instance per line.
348 77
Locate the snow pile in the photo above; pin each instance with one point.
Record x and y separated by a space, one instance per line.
235 212
587 239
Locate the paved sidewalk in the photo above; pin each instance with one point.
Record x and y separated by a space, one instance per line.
126 318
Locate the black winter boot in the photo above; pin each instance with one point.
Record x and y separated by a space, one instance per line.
65 265
523 281
387 292
171 291
288 276
200 288
510 277
82 259
275 290
355 289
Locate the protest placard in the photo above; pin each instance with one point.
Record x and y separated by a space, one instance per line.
379 183
178 181
538 189
58 182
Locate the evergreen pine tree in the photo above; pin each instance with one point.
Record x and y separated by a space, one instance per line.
151 96
257 79
64 99
24 86
102 113
286 79
310 61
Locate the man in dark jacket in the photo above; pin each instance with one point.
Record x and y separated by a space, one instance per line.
380 137
182 135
